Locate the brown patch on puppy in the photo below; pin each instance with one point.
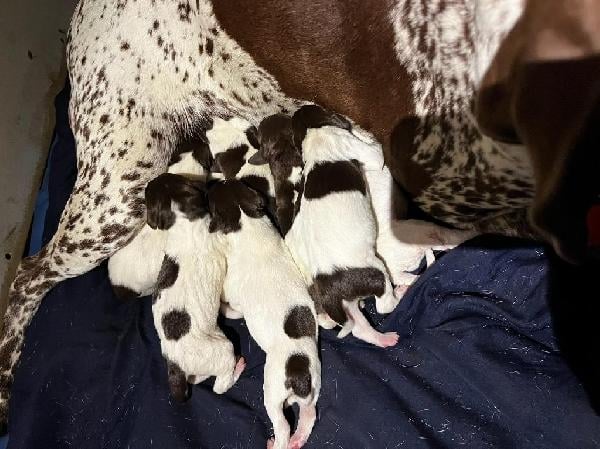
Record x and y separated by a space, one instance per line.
177 382
313 116
176 324
231 161
188 194
169 271
328 290
124 293
227 199
331 177
300 322
297 375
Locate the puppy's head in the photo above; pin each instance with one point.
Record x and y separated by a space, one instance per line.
314 116
227 200
275 137
168 189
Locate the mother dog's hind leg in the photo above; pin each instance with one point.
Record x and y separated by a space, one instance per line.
102 214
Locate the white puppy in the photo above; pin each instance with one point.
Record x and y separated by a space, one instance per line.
264 285
134 269
334 233
187 299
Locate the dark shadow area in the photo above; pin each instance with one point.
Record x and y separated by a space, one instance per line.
574 301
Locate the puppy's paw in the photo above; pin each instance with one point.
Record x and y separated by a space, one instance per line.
387 340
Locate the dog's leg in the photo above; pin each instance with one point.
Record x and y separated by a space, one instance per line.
306 421
281 428
364 331
103 212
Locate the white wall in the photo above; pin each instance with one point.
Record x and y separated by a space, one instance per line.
31 73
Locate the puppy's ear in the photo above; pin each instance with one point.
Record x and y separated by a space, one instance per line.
216 166
224 210
251 202
257 159
158 203
252 136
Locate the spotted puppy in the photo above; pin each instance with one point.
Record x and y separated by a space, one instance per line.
186 302
277 148
273 298
333 235
233 143
134 269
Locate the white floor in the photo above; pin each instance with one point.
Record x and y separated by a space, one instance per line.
32 35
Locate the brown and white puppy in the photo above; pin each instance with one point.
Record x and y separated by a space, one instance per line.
265 287
133 270
233 143
279 150
186 303
333 236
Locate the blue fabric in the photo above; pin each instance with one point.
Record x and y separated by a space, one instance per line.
478 364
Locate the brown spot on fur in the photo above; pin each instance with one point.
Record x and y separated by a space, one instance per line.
332 177
177 382
300 322
328 290
226 198
176 324
231 161
297 374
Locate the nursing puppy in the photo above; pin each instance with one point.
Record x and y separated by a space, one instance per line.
134 269
233 144
333 236
186 303
264 285
277 148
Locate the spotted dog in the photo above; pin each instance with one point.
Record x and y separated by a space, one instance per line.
186 303
333 235
146 77
274 300
278 149
134 269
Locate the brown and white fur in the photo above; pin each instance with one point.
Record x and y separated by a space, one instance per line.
265 287
134 269
145 73
334 233
187 299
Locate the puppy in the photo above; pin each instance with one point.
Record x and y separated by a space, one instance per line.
187 298
277 148
134 269
333 236
265 287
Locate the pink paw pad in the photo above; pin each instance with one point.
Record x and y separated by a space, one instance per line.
240 366
388 339
270 443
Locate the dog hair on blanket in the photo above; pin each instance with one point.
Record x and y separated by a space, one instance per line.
264 285
187 298
134 269
333 235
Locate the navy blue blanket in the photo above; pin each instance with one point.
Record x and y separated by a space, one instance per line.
478 364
